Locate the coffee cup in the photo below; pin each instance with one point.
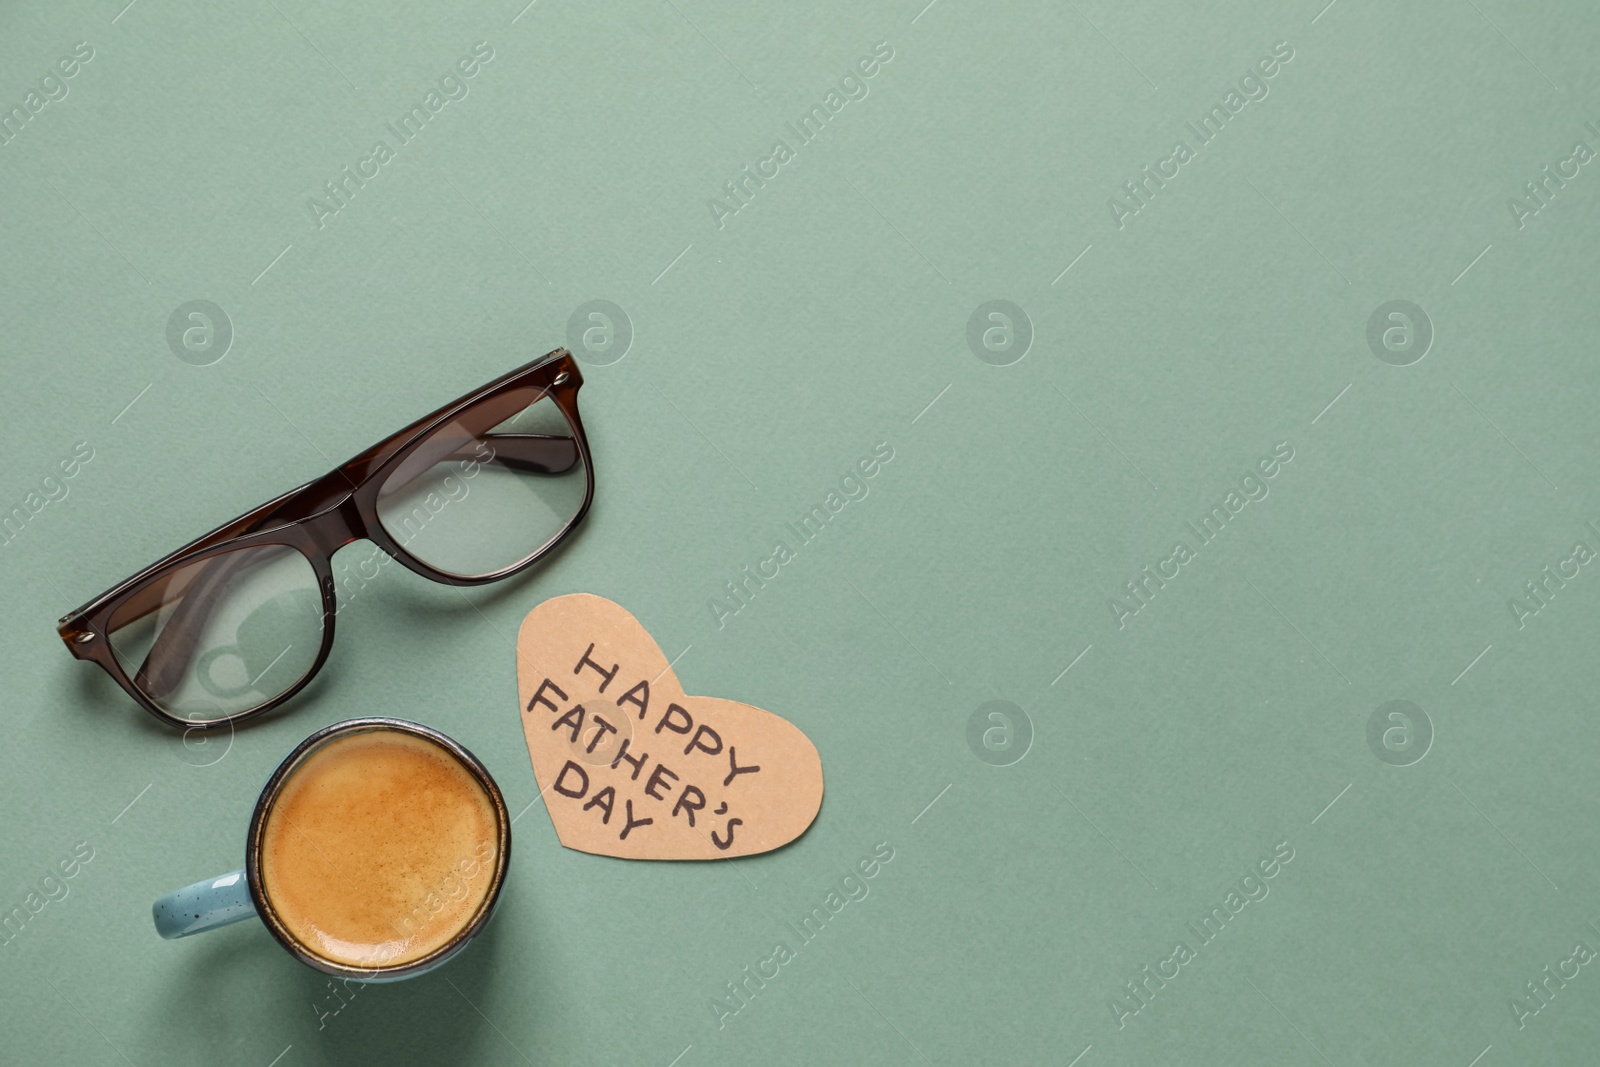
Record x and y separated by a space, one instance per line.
377 851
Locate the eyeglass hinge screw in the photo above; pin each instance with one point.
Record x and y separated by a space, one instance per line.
83 638
561 379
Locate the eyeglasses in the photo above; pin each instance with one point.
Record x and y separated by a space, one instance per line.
237 622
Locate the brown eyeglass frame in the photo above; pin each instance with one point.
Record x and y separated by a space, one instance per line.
339 508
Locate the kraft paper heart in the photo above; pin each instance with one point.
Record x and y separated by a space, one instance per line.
630 766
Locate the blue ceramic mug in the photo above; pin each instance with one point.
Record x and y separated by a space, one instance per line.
238 895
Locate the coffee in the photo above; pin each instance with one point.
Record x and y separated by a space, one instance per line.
379 848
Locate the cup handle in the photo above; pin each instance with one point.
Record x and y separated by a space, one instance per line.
204 906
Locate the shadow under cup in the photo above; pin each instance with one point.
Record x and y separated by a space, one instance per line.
378 849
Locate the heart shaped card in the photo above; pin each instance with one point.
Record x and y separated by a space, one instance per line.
631 766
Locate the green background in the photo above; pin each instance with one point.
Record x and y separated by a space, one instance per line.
769 355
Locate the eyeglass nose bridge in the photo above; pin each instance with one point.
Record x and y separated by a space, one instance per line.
339 523
345 525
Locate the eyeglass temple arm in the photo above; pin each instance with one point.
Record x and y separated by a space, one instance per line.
531 453
168 660
154 597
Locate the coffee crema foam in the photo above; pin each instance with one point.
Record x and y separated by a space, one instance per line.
379 848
